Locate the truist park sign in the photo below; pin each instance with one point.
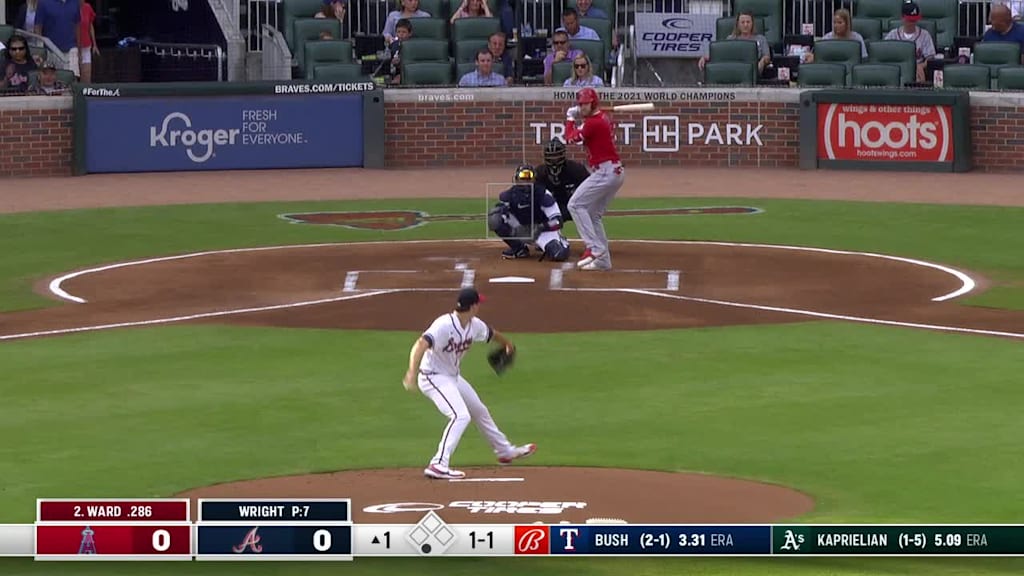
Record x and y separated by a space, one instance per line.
885 130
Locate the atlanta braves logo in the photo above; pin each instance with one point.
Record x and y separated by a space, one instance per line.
457 347
251 541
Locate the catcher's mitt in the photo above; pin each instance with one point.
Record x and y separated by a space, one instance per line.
501 359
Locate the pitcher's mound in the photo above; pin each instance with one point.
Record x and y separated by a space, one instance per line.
518 494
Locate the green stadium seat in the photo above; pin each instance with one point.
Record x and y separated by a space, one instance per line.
744 51
869 28
292 10
348 72
1011 78
426 74
946 16
881 10
466 50
845 52
770 11
603 28
966 77
438 9
560 72
326 52
725 26
595 50
474 28
899 52
425 50
6 31
817 74
309 30
997 55
730 73
876 76
429 28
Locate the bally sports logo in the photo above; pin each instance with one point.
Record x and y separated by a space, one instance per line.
902 133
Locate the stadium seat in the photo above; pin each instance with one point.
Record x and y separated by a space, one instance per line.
966 77
725 26
348 72
603 28
875 76
869 28
424 50
770 11
928 25
595 50
308 30
729 73
66 77
560 72
463 68
899 52
426 74
326 52
466 50
292 10
881 10
1011 78
607 5
438 9
816 74
997 55
845 52
429 28
946 16
744 51
475 28
6 31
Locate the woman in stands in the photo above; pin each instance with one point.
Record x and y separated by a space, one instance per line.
472 9
410 9
842 29
17 65
582 73
745 30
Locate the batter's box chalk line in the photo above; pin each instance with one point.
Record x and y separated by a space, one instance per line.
466 280
557 279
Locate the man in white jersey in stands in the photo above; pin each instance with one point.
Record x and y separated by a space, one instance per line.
434 369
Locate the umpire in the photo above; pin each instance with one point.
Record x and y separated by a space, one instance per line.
559 175
528 214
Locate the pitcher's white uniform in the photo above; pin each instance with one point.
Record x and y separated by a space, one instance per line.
439 379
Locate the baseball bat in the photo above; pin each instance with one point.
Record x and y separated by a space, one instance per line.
634 107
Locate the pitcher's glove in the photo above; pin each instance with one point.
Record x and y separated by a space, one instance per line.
501 359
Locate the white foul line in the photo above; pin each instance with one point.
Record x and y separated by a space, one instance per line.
192 316
826 314
487 479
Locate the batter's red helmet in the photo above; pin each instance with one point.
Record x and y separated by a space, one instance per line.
587 95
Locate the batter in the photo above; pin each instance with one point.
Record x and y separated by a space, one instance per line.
436 357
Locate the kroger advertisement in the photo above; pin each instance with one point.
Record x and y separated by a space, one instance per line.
667 35
224 133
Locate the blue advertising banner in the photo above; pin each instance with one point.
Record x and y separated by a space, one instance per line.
235 132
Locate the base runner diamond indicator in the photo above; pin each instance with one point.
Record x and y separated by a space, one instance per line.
431 536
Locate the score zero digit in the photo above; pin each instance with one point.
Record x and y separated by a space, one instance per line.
161 540
322 540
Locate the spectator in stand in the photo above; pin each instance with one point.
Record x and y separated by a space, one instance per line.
46 82
911 32
26 18
484 74
502 59
87 47
586 9
1004 29
571 25
583 74
560 50
59 21
410 9
18 64
842 29
403 31
472 9
744 30
333 9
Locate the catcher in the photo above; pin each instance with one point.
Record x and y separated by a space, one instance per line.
560 176
528 214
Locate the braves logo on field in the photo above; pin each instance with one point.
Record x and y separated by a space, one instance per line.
901 133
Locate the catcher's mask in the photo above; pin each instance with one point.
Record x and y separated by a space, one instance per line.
524 174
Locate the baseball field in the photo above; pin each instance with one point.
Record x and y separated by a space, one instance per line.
834 348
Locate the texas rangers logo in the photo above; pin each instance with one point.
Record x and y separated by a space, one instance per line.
457 347
251 541
793 541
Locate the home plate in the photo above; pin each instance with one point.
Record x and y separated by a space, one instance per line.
512 280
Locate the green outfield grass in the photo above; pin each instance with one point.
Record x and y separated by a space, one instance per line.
878 424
